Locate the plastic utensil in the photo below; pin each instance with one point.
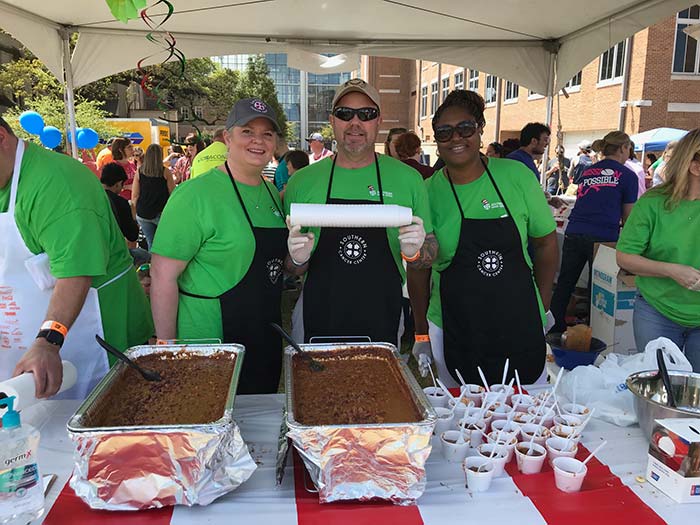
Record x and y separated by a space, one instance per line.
517 381
597 449
149 375
505 371
483 378
313 364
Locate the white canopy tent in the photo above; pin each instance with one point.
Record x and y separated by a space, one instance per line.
540 44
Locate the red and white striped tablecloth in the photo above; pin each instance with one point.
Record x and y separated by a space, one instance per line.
610 493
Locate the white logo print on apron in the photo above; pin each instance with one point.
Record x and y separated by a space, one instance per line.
23 306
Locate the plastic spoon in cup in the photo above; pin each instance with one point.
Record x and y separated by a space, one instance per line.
505 371
573 396
461 379
483 378
495 445
597 449
532 441
447 392
430 369
517 382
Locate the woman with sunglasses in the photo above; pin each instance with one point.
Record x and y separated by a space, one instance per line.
486 305
354 275
219 248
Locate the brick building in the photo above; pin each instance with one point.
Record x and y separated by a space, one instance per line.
649 80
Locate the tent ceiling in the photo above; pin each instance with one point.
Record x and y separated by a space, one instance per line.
508 38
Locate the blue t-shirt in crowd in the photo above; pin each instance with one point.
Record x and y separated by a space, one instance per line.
525 158
603 189
281 175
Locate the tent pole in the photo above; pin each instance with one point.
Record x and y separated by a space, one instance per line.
70 95
548 117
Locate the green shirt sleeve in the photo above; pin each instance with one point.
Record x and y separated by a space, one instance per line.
540 219
76 244
179 234
635 235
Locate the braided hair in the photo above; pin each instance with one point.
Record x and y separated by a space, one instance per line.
470 101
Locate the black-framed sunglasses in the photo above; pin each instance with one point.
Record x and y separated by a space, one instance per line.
347 114
465 129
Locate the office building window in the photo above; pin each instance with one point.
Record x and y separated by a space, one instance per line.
512 90
459 80
612 63
185 113
686 55
445 88
198 111
434 100
491 89
473 80
423 101
574 82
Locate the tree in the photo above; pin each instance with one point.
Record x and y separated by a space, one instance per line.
88 114
22 78
256 82
222 88
327 133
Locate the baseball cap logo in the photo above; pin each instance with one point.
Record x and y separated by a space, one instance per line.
259 105
356 82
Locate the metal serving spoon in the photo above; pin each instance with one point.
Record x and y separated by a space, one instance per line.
313 364
150 375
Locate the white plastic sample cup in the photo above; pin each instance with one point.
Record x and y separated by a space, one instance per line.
568 420
538 412
445 420
523 418
530 464
542 433
558 447
523 402
499 458
500 388
569 474
473 393
479 472
474 430
565 431
436 397
452 450
501 411
459 407
507 441
575 409
508 427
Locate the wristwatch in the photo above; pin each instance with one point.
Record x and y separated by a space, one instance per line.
54 333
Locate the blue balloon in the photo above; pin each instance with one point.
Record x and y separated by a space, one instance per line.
31 122
87 138
51 137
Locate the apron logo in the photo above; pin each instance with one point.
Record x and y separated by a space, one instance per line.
491 206
274 269
490 263
275 211
353 249
485 204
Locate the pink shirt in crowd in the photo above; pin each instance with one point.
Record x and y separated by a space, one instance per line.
638 170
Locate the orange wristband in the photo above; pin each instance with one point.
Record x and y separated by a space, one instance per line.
411 259
55 325
422 338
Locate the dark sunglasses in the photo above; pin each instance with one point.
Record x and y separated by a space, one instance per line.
465 129
347 114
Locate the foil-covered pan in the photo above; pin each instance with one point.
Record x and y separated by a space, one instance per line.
141 467
368 461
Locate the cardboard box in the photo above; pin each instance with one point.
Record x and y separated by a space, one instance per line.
674 458
612 302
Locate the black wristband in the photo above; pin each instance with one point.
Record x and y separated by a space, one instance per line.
52 336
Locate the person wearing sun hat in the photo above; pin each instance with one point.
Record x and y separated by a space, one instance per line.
354 275
606 192
219 250
318 148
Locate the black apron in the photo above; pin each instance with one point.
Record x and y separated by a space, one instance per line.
489 304
353 287
248 308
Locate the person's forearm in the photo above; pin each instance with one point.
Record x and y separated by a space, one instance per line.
164 302
640 265
294 270
67 300
545 266
418 281
428 253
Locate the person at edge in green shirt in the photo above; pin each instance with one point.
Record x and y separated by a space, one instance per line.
62 211
212 156
354 275
660 244
488 298
218 253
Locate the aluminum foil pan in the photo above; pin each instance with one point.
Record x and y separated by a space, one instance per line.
141 467
364 462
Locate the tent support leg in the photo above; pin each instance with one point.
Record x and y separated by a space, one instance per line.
70 92
548 117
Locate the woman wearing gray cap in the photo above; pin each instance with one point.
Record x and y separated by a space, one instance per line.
218 252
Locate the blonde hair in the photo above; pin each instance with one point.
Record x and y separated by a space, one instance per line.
677 169
152 165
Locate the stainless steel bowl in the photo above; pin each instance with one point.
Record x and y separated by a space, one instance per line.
650 397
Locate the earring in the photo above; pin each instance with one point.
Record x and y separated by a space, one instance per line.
481 144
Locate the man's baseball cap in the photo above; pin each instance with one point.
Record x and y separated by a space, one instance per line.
614 138
248 109
359 86
315 136
584 145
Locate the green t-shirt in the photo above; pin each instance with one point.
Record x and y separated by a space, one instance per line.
63 210
656 163
479 200
401 185
204 224
671 236
210 157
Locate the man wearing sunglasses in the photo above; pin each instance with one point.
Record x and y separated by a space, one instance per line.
354 275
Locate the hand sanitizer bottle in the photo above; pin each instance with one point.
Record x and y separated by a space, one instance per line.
21 487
